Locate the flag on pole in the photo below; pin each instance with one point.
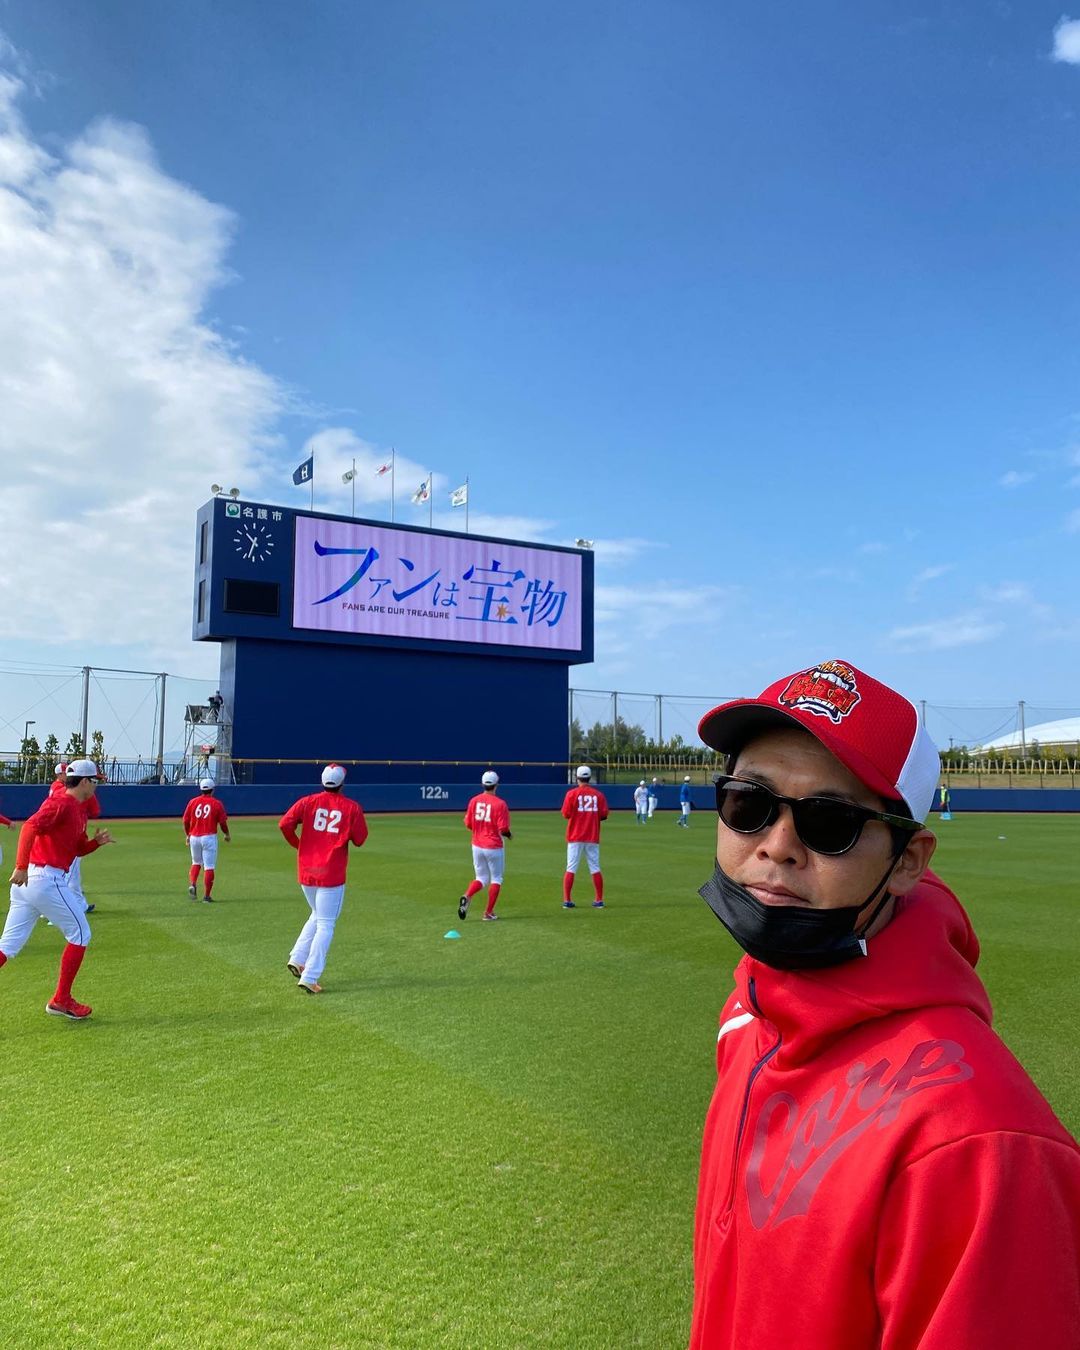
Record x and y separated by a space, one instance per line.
423 492
460 496
304 473
383 468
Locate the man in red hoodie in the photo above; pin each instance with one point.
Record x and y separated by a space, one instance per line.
878 1172
328 822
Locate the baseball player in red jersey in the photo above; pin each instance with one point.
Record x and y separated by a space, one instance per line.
91 810
584 807
489 820
49 841
329 823
202 816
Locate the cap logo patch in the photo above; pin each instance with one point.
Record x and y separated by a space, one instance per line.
827 690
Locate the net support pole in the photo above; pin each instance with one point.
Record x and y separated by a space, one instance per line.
160 759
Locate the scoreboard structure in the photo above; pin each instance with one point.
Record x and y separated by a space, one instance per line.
349 639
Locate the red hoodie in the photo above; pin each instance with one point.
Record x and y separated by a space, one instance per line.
878 1172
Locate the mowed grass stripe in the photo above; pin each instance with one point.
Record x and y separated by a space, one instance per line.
487 1142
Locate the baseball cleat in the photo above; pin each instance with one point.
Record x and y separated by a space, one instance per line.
191 892
598 904
208 899
294 970
463 906
309 986
490 918
90 909
69 1008
568 904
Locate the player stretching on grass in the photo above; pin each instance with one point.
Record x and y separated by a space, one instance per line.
584 807
202 816
329 823
49 841
489 820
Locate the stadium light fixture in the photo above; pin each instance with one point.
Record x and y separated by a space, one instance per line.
234 493
583 543
216 488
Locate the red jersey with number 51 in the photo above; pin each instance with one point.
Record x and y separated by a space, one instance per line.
584 807
487 816
328 824
203 815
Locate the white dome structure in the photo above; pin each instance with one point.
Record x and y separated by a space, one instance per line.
1066 731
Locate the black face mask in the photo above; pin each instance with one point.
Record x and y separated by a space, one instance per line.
791 937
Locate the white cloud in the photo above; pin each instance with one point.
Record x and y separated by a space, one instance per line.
645 612
1009 593
1067 41
872 546
120 402
1014 479
962 630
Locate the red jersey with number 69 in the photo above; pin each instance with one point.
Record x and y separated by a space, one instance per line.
584 807
203 815
328 824
487 816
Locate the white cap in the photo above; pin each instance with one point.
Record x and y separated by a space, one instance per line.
686 778
584 772
206 784
333 775
82 768
60 768
490 778
642 783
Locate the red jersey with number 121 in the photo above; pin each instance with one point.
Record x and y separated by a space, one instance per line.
487 816
328 824
584 807
203 815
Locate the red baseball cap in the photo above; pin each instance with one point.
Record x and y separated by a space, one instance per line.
871 729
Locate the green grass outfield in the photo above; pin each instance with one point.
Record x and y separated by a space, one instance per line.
483 1143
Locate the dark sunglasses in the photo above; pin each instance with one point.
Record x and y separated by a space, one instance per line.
824 824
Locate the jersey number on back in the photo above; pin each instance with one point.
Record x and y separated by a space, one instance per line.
588 802
483 810
326 820
202 811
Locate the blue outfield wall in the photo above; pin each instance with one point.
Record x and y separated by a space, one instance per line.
271 799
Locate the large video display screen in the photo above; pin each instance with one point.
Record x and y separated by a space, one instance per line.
353 577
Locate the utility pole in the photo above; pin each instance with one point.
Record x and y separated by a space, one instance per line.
161 730
1023 731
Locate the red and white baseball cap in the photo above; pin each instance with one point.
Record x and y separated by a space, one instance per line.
206 785
871 729
333 775
60 768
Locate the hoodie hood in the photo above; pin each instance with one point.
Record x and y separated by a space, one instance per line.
924 957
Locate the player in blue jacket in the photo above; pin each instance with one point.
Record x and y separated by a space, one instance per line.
684 803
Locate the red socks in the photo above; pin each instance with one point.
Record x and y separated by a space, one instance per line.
69 968
193 874
598 884
493 895
567 885
208 882
3 958
472 888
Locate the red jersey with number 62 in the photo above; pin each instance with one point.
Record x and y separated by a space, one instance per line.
584 807
203 815
328 824
487 816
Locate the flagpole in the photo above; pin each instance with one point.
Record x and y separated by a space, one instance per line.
466 503
393 457
430 497
313 482
352 480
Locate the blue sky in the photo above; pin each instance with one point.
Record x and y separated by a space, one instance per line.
776 303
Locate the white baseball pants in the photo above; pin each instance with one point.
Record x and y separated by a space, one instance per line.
45 895
313 945
652 807
204 849
488 865
573 856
